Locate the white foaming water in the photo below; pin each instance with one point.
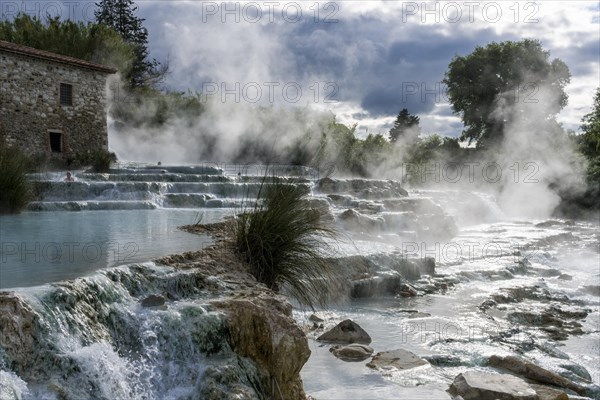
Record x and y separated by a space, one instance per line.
561 259
95 340
126 351
12 387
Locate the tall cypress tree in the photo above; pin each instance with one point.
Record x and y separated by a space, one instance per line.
120 16
406 126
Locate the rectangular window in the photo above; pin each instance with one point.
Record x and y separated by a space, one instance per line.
66 94
56 142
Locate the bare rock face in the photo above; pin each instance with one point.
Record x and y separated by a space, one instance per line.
472 385
19 330
262 329
346 331
352 352
400 359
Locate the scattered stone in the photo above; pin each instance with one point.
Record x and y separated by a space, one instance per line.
473 385
407 290
153 301
315 318
576 372
443 360
171 296
400 359
594 290
352 352
354 220
316 326
547 224
346 331
534 372
551 350
419 315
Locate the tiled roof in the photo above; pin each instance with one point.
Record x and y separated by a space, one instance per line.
46 55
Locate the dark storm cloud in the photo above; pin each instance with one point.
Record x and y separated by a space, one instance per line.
374 59
384 76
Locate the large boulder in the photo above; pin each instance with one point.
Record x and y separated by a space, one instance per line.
262 329
346 331
352 352
534 372
474 385
399 359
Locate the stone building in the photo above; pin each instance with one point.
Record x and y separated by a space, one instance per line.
50 103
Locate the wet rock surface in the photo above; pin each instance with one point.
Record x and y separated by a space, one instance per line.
346 331
474 385
549 393
153 301
536 373
20 330
400 359
369 189
263 330
376 275
536 307
352 352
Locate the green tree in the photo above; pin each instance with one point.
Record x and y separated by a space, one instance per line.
120 16
405 127
507 74
91 42
589 143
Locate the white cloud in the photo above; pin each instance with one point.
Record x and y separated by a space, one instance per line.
357 53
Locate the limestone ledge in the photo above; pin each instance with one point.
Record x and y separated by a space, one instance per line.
245 333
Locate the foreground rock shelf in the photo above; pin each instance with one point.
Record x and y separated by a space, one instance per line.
201 313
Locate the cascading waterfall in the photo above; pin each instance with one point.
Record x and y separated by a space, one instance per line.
415 262
97 341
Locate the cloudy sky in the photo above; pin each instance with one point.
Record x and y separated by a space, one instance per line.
364 60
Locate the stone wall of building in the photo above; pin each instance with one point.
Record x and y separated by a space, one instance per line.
30 105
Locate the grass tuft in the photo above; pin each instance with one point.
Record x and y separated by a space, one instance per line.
283 239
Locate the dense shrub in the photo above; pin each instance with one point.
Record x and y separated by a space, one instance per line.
101 160
281 238
15 189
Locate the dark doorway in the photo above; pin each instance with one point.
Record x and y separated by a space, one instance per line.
56 142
